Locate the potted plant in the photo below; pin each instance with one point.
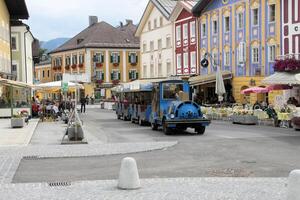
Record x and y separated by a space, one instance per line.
244 117
74 129
81 65
17 121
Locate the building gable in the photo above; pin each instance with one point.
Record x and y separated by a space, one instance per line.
183 14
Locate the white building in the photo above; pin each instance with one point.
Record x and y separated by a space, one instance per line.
22 58
156 39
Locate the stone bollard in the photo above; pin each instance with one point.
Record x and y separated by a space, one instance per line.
129 175
294 185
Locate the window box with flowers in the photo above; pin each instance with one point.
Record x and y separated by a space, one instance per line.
99 78
67 67
98 59
74 66
287 65
133 59
54 68
115 59
80 65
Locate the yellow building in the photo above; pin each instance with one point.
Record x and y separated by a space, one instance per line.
242 38
43 72
99 57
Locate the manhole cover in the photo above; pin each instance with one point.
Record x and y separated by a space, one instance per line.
229 172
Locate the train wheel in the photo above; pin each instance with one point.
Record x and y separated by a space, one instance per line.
200 130
166 130
154 126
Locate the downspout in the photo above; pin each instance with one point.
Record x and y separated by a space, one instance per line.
25 53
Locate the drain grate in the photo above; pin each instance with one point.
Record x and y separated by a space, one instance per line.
31 157
59 184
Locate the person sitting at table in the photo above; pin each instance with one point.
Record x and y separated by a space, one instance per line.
285 109
273 115
256 106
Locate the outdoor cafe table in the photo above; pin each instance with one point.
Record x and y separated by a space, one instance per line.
284 118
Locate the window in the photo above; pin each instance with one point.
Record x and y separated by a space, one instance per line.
48 73
68 61
203 30
242 52
14 68
14 43
226 58
254 55
149 25
185 31
215 27
159 44
227 24
152 46
155 23
161 21
240 20
151 58
145 71
159 69
99 58
81 59
255 17
215 59
193 59
133 75
151 70
144 47
74 59
99 75
132 58
168 41
193 29
169 70
178 33
159 56
115 75
272 13
272 53
43 74
171 90
179 61
185 60
115 58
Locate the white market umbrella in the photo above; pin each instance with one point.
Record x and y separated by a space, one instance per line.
220 87
297 76
56 85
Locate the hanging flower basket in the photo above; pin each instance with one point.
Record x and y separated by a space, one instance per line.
54 68
80 65
59 68
115 82
287 65
99 64
74 66
67 67
116 64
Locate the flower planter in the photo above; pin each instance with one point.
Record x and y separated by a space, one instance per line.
115 82
287 65
67 67
133 64
80 65
74 66
116 64
71 133
244 119
17 122
99 65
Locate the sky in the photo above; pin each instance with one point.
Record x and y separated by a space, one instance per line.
50 19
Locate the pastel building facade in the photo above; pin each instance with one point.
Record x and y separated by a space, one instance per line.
242 38
156 39
100 57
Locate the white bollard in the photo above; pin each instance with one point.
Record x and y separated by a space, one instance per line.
294 185
129 175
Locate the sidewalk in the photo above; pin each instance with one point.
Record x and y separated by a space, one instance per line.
155 189
16 136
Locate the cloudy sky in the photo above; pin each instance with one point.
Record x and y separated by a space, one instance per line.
51 19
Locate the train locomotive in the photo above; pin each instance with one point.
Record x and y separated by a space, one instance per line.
168 106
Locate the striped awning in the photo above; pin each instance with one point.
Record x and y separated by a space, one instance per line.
282 78
209 78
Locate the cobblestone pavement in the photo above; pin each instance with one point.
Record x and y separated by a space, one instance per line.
155 189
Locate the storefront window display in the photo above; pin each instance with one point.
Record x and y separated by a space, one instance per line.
5 96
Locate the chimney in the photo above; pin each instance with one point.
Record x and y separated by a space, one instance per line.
93 20
129 21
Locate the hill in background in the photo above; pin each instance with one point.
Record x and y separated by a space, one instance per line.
53 44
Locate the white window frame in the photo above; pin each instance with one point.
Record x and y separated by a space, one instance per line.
178 34
68 61
168 42
227 26
242 52
255 55
99 74
144 47
151 45
193 29
193 59
240 20
255 17
159 69
272 53
159 44
115 57
99 56
152 73
203 30
215 59
73 59
169 68
185 30
178 61
215 27
161 21
116 75
270 16
226 58
185 60
149 26
16 39
133 57
81 58
145 71
133 74
155 23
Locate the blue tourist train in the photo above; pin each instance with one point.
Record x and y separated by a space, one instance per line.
160 103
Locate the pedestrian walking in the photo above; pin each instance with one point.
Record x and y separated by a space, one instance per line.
83 102
87 99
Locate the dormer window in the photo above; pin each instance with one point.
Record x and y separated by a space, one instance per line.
79 40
